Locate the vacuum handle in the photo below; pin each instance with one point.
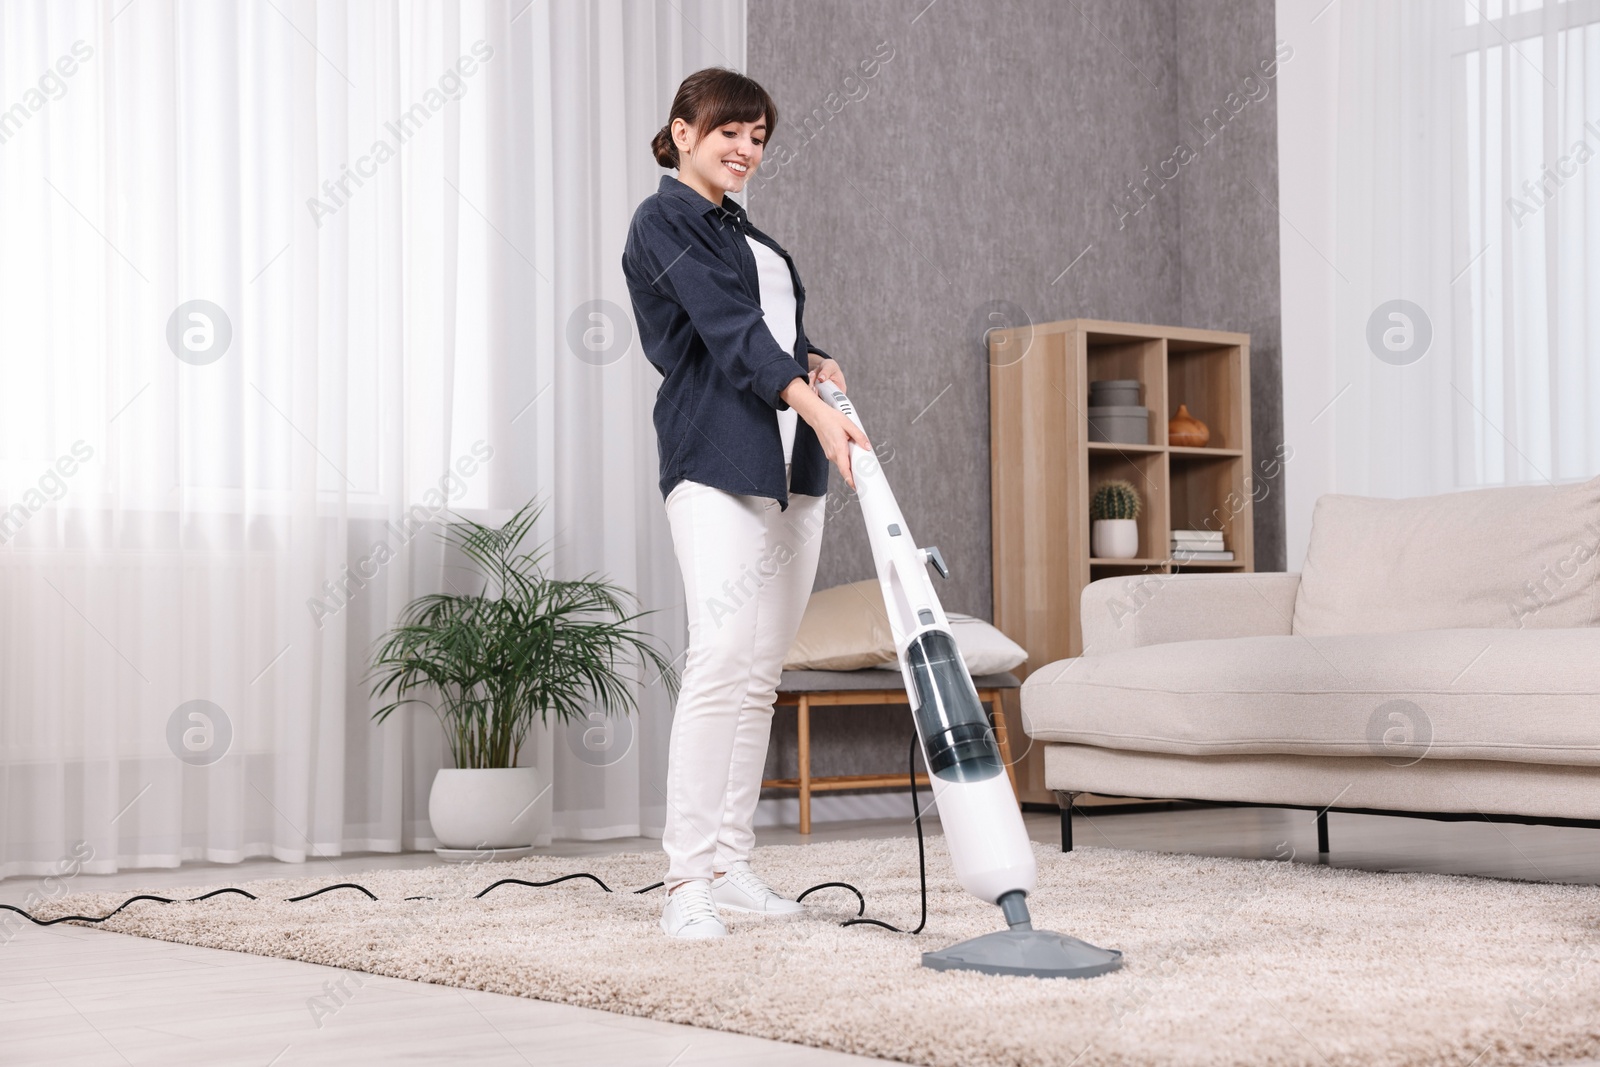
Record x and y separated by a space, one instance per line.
839 402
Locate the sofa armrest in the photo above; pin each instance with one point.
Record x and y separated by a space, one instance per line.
1153 609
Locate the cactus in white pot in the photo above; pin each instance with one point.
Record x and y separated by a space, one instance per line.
1114 512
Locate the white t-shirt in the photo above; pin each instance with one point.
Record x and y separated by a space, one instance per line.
778 311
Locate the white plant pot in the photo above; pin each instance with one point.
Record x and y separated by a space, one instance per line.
484 808
1114 538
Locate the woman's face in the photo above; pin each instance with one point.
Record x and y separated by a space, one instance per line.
724 158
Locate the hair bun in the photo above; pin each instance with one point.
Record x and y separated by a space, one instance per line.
661 145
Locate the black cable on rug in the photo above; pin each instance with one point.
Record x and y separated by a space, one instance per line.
861 901
124 904
922 863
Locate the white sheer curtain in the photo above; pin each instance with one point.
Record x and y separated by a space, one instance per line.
1531 75
1455 140
399 218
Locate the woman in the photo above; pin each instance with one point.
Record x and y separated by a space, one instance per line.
745 443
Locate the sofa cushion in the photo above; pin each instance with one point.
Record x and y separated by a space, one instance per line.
1527 696
1517 557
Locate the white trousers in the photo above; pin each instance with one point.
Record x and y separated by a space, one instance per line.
747 573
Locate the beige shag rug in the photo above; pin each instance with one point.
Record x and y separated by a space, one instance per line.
1227 961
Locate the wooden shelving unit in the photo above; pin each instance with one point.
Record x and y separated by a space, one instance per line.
1043 469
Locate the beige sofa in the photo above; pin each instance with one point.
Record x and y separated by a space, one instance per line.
1437 656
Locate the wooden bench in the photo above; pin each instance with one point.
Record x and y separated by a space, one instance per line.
814 689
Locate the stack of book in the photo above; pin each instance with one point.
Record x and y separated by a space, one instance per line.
1205 545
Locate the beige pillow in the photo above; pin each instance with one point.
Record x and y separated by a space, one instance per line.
984 649
845 628
1515 557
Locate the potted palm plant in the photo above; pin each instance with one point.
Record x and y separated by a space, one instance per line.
523 647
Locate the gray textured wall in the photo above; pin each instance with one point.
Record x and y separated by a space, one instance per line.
996 144
1228 219
986 171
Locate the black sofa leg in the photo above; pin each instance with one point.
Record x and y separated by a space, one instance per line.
1322 832
1065 801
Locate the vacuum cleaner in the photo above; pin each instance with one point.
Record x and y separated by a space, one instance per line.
983 827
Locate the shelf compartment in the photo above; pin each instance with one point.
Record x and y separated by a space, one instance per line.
1213 496
1147 472
1112 356
1208 378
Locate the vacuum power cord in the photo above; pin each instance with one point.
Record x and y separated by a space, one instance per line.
922 862
861 901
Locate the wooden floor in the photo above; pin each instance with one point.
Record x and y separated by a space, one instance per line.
73 996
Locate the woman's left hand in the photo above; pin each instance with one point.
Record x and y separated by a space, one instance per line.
828 371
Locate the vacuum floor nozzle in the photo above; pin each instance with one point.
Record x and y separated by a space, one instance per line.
1031 953
1025 951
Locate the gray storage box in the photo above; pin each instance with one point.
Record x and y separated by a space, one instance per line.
1120 424
1114 392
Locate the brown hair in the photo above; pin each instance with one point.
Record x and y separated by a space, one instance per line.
710 98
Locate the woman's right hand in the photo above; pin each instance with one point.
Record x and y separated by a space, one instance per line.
833 429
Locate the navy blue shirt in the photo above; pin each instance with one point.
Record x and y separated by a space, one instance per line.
696 296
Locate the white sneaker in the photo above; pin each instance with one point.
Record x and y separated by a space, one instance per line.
740 890
690 913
